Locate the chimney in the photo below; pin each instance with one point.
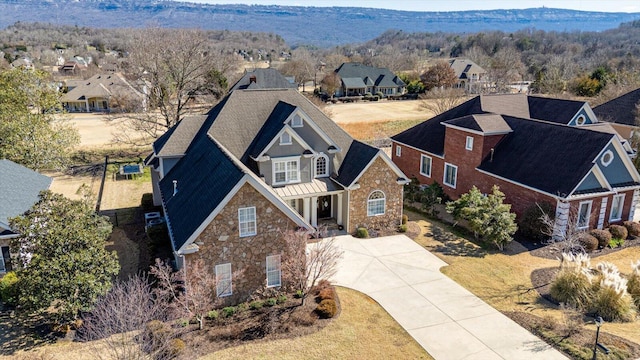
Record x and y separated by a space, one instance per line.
175 187
252 79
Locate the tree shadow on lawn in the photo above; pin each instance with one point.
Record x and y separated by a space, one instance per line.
454 245
24 333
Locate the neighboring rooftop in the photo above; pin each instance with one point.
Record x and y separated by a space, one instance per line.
263 79
19 188
621 110
359 75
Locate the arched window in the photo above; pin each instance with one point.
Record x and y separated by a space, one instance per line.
376 203
322 166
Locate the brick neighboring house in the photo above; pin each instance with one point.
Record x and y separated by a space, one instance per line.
536 149
19 189
358 79
622 113
261 162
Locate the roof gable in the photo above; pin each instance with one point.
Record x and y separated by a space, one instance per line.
354 74
621 110
559 111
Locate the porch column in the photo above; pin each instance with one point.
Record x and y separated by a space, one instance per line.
603 212
86 102
314 211
634 203
339 209
305 209
562 218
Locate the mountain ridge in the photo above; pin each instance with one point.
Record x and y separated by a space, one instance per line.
319 26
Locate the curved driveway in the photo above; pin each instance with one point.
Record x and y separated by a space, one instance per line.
447 320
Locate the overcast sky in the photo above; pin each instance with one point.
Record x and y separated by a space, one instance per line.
452 5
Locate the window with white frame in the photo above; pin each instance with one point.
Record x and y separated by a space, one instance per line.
296 121
607 158
616 207
273 271
584 214
247 221
398 151
425 165
450 175
5 259
376 203
285 139
322 166
469 143
286 171
223 280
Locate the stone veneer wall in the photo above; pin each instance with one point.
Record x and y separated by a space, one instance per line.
379 176
221 243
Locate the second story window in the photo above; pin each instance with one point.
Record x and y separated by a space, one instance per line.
285 139
322 166
286 171
469 144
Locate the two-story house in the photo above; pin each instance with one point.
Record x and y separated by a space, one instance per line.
259 163
536 149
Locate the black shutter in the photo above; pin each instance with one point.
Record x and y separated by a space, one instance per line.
7 258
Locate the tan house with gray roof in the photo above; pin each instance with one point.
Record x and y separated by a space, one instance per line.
102 93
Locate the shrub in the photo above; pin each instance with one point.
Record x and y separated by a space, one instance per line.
212 315
327 293
572 288
405 218
402 228
9 289
321 285
228 311
157 331
299 294
633 284
615 242
270 302
603 236
282 299
242 307
613 304
327 309
256 305
362 233
618 231
531 225
633 228
176 347
379 94
588 242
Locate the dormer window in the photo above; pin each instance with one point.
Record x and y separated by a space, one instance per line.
285 139
322 166
296 121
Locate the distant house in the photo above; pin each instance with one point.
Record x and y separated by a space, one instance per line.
19 189
358 79
261 162
102 92
536 149
469 74
263 79
622 112
23 63
74 66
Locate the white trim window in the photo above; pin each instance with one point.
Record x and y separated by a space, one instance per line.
398 151
425 165
247 222
322 166
468 145
584 214
607 158
286 171
616 207
450 177
296 122
224 281
376 203
274 271
285 139
581 120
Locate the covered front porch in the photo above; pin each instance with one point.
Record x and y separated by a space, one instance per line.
320 202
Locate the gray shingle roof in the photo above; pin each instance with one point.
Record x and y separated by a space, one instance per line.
381 76
485 123
621 110
102 85
176 141
19 189
264 79
357 158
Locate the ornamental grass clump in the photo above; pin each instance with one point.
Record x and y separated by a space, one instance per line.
633 283
572 285
611 299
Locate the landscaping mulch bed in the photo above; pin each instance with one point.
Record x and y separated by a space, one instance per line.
554 250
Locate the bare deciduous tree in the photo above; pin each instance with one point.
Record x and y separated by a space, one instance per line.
304 265
569 237
330 83
441 100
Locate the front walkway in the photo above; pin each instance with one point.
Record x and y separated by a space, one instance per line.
447 320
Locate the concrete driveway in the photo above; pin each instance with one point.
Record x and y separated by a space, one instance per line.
447 320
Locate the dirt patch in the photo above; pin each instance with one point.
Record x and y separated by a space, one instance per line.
366 111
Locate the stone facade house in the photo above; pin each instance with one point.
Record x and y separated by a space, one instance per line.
536 149
19 189
259 163
358 79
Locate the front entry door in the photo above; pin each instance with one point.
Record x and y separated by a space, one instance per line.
324 207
